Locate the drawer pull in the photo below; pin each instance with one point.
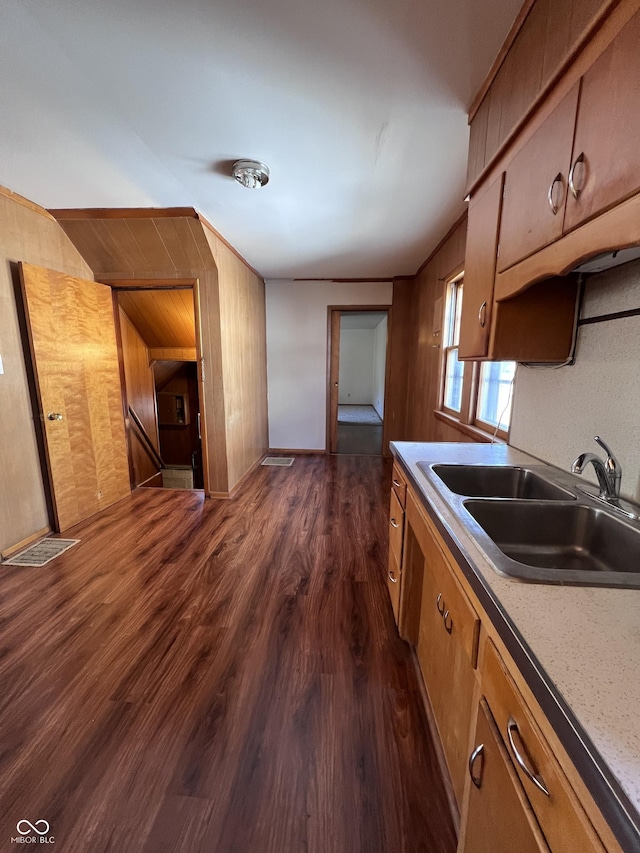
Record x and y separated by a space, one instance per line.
394 523
397 483
533 776
575 192
391 577
552 204
438 600
447 626
478 752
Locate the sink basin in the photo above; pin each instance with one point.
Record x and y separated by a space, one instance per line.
560 543
498 481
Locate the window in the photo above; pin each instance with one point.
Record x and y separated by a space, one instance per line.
477 394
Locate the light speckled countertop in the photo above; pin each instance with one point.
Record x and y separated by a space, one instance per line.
586 640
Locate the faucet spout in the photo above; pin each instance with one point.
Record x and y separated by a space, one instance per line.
609 472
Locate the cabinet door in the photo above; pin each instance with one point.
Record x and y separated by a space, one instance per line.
536 186
499 817
396 541
446 651
606 154
480 270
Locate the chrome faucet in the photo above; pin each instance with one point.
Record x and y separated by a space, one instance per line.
609 472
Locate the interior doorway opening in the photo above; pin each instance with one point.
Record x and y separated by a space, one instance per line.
358 367
162 388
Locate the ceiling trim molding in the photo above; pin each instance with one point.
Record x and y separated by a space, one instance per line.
123 212
25 202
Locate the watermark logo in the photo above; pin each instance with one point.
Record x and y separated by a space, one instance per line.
33 833
32 828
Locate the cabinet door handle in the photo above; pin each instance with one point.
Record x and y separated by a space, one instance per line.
575 192
391 577
397 484
478 752
532 775
394 523
552 204
438 600
448 626
482 315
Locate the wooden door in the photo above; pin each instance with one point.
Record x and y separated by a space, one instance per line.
499 818
480 270
606 155
334 380
535 187
75 359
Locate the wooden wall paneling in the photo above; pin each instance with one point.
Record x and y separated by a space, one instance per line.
173 353
27 233
141 396
164 318
398 358
244 347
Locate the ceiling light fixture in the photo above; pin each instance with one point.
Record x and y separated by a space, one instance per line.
251 174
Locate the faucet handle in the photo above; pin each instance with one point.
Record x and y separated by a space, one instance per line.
614 469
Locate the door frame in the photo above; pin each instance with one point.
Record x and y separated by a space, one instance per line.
193 284
333 369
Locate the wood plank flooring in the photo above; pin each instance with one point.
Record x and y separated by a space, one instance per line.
220 677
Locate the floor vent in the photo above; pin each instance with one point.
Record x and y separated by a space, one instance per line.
41 553
278 461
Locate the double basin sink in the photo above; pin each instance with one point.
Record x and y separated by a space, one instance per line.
533 528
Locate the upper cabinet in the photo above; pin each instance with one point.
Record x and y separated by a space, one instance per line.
536 186
571 190
605 165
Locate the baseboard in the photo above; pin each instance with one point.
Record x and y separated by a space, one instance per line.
25 542
225 496
293 451
435 737
219 496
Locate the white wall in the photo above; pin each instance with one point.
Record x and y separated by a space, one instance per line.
379 365
356 366
297 354
556 413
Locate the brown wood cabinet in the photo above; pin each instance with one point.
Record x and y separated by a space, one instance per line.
518 792
499 817
560 815
606 156
396 538
446 646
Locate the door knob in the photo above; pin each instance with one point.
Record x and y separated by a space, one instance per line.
335 384
54 416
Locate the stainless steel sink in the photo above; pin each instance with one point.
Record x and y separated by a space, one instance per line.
562 543
496 481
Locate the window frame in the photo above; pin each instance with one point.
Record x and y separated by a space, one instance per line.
466 420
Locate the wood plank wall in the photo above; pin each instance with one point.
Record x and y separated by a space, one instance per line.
126 245
141 396
424 361
27 233
244 364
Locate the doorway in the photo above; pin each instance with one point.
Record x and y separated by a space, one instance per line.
161 380
357 382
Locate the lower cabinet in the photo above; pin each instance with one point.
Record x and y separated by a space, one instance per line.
499 816
512 792
447 644
396 539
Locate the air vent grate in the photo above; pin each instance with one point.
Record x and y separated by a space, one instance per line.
41 553
278 461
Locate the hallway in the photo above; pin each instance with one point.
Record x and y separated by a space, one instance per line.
220 677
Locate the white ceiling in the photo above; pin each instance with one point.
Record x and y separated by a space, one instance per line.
357 106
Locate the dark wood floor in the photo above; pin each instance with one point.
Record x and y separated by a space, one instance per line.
219 677
360 439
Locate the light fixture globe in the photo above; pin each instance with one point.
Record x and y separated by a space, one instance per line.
251 174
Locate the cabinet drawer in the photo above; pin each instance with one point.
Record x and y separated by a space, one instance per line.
561 817
396 528
399 485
